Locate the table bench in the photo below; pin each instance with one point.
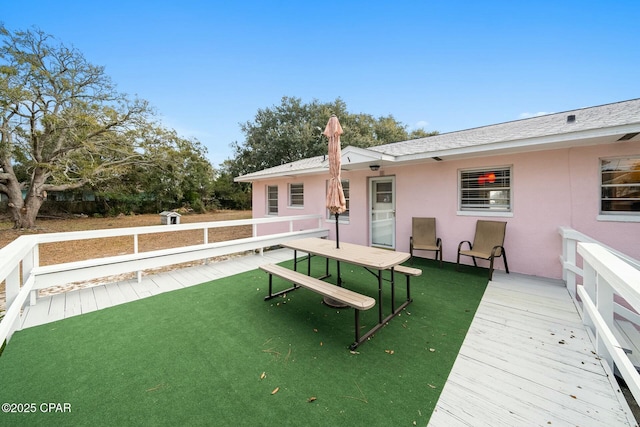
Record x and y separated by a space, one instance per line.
350 298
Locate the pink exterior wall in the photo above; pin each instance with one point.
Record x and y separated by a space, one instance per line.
549 189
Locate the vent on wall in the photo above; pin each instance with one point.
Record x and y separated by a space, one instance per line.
628 136
571 118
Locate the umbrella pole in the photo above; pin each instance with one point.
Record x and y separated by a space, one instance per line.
328 300
337 233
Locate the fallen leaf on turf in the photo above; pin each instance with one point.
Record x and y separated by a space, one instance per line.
158 387
315 330
389 351
311 399
431 385
354 352
432 350
263 375
275 390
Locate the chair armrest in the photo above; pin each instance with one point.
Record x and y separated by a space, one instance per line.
495 248
465 241
439 242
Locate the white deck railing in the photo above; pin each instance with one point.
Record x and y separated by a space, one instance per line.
23 276
608 278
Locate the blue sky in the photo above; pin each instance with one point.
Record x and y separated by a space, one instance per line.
448 65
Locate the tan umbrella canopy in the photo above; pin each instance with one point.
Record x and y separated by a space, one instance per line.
336 202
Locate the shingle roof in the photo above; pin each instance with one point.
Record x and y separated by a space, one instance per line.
556 124
619 113
289 168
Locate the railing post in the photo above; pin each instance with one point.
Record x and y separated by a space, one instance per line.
589 287
135 251
12 285
569 249
12 289
604 303
205 240
589 280
28 263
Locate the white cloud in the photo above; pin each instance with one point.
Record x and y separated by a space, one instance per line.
422 124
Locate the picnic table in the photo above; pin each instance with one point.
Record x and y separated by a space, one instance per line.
374 260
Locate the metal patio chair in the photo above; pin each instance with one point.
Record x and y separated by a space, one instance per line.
423 237
487 244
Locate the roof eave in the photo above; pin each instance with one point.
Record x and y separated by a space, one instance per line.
280 174
549 142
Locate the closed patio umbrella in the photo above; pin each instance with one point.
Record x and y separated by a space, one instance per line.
336 202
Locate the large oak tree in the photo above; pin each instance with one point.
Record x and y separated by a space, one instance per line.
293 131
63 125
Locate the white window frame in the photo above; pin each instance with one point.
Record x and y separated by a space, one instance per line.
612 215
343 217
483 175
293 187
269 200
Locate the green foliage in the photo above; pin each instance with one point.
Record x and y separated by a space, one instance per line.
173 172
231 195
293 131
63 126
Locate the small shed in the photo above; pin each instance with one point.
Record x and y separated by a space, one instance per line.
169 218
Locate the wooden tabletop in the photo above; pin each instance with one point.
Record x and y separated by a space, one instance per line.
366 256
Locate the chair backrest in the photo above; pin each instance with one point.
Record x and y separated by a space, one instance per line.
423 231
488 235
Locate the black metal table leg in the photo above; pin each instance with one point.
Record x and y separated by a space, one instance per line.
379 296
393 291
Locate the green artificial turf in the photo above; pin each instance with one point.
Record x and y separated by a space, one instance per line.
214 354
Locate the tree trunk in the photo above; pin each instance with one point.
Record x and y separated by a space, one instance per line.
30 211
14 194
24 212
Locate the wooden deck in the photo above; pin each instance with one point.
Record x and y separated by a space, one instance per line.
526 360
60 306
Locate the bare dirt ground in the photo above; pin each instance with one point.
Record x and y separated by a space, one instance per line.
54 253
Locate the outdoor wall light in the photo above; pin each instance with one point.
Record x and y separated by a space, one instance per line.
374 167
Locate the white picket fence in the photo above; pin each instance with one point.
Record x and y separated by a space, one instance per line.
24 276
609 289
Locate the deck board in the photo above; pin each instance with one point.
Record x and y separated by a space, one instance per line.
512 369
88 300
60 306
528 360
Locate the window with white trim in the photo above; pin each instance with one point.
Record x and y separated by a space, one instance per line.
620 186
296 195
345 189
485 190
272 200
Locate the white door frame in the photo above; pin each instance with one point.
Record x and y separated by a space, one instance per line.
384 235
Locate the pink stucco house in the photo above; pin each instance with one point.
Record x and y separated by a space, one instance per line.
579 168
